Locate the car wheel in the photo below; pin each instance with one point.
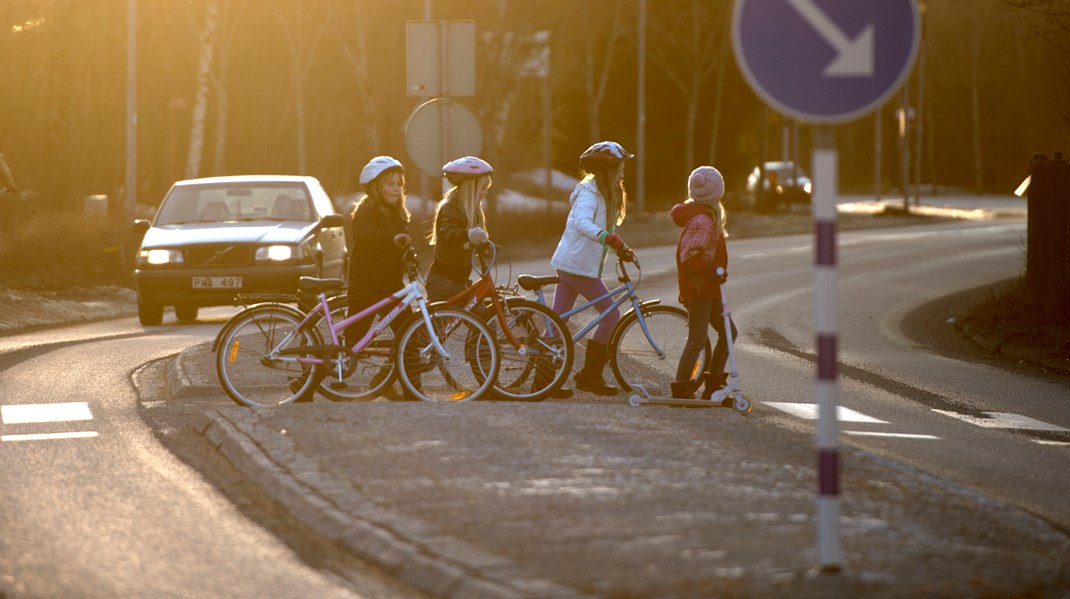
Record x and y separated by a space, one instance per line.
186 312
149 314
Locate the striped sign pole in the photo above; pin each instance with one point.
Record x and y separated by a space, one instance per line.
825 291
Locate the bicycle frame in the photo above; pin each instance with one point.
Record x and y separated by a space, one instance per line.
626 291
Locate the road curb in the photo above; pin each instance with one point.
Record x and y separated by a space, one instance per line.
404 547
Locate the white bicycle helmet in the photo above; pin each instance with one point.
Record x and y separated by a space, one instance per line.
468 167
377 166
604 154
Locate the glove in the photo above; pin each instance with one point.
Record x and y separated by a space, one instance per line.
722 275
614 241
477 236
402 240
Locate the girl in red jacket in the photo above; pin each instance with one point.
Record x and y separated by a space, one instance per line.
700 251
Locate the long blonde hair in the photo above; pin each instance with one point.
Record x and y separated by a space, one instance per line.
614 196
465 193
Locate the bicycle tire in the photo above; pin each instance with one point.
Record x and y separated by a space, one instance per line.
544 360
229 324
248 365
468 370
634 361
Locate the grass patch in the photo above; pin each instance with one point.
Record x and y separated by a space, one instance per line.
1022 327
58 249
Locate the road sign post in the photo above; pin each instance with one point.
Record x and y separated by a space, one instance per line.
440 62
825 63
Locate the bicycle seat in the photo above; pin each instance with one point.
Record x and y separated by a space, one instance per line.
316 285
531 282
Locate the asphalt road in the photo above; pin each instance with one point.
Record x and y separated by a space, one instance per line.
927 458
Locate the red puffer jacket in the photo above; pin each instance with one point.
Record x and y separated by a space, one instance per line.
699 252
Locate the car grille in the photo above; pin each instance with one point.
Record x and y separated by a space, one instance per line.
219 254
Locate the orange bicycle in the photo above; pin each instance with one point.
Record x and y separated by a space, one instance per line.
534 344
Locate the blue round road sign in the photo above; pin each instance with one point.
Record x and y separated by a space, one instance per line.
825 61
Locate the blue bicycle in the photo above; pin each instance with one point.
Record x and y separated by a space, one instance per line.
646 344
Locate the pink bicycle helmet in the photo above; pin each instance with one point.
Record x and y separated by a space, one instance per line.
377 166
468 167
604 154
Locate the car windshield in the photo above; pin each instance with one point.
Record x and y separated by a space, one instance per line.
214 203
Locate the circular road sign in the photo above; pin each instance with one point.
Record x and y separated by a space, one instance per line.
430 123
825 61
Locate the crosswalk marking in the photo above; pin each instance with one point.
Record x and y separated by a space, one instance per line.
808 411
41 413
48 436
1004 420
53 412
896 435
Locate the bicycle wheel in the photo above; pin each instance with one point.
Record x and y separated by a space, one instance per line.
464 372
229 324
544 359
256 363
360 376
636 362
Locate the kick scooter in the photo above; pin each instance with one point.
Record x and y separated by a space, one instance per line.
741 403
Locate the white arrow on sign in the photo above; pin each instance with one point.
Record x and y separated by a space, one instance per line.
855 57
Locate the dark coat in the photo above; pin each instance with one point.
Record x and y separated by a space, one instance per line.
453 252
375 263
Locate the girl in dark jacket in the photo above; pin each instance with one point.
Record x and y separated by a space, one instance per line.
700 251
380 228
459 226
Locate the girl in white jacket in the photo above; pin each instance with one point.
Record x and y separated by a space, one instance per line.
598 206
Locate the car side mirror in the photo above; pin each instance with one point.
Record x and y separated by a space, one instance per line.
141 226
331 221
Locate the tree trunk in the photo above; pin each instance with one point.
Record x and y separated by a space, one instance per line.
200 100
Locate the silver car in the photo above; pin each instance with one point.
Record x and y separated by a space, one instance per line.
216 237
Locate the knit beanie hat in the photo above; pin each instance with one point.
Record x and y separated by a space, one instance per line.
705 185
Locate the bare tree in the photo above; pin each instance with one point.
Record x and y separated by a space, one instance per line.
691 33
200 97
354 45
302 48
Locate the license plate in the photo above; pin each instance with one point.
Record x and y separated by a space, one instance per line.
217 282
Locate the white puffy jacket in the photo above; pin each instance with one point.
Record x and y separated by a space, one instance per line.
581 250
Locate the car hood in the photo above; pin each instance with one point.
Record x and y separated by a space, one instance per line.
251 233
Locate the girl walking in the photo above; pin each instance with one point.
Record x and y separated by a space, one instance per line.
598 208
701 249
459 226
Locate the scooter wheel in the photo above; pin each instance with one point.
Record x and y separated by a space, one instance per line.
743 405
635 400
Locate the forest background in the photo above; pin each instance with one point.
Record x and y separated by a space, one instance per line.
318 87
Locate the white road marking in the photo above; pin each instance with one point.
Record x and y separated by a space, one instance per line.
52 412
1005 420
48 436
808 411
1059 443
896 435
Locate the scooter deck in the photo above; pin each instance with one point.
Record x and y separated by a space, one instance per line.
639 400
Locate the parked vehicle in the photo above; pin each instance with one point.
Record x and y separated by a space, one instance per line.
784 184
216 237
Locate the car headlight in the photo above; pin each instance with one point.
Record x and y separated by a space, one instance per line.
807 187
159 257
281 253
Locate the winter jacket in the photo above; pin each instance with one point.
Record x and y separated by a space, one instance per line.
375 264
453 252
582 250
699 252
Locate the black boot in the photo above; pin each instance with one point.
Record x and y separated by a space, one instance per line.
544 372
682 389
589 378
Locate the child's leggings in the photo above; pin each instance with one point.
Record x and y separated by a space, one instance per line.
701 312
570 285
